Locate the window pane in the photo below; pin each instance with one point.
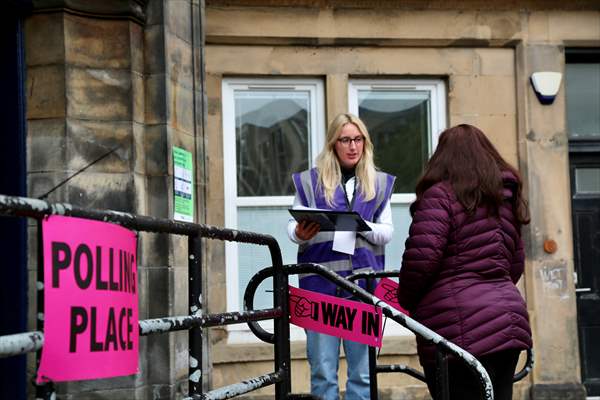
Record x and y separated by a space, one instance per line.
272 137
398 122
394 249
252 258
587 180
583 100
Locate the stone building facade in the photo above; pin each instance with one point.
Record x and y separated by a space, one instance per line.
123 81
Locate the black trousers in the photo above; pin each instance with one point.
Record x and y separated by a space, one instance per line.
464 384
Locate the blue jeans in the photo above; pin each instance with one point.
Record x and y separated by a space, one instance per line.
323 353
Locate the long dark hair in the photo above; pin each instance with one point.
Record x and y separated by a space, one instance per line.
466 159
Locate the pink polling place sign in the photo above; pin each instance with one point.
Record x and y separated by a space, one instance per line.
387 290
335 316
90 300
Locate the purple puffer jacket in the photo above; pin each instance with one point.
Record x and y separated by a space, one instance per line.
458 274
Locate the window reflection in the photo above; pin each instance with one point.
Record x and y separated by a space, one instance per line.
583 100
398 123
272 138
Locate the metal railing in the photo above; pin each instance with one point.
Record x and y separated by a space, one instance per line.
12 345
374 368
444 347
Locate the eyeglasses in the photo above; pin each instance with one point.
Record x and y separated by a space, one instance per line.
346 140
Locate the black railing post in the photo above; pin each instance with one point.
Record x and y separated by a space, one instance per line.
372 350
282 324
195 309
43 391
442 387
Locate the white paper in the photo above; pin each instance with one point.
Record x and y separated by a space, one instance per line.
344 241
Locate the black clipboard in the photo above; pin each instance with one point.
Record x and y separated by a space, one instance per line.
332 220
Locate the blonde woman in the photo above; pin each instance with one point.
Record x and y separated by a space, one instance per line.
344 179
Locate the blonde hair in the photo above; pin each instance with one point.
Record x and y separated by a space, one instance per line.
328 165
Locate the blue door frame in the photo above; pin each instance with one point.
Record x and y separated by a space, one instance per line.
13 231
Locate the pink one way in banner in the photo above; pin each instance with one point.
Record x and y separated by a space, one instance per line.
90 300
387 290
335 316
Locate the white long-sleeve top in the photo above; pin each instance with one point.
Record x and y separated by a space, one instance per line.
381 230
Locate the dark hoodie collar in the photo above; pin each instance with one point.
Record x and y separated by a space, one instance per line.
347 174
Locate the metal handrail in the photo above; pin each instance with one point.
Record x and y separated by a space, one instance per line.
11 345
370 276
366 297
27 342
527 367
34 208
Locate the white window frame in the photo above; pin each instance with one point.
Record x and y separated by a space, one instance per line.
240 332
436 87
437 90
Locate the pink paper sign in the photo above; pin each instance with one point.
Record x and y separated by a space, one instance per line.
90 300
387 290
334 316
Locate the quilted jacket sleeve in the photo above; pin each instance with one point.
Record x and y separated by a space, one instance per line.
518 262
424 249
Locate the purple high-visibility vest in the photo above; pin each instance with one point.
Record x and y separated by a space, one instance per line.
367 256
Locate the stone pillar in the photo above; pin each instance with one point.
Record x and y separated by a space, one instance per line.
82 77
173 116
111 87
543 153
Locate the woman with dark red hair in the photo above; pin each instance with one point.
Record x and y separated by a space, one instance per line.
463 257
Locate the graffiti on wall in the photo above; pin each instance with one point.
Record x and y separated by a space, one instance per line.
554 279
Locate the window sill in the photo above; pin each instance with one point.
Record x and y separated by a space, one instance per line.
223 353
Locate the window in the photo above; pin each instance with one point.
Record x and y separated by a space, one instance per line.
275 127
404 119
587 180
582 84
271 129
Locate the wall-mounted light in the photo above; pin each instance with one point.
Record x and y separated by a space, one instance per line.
545 85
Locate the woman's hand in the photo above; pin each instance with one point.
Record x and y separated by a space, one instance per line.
306 230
